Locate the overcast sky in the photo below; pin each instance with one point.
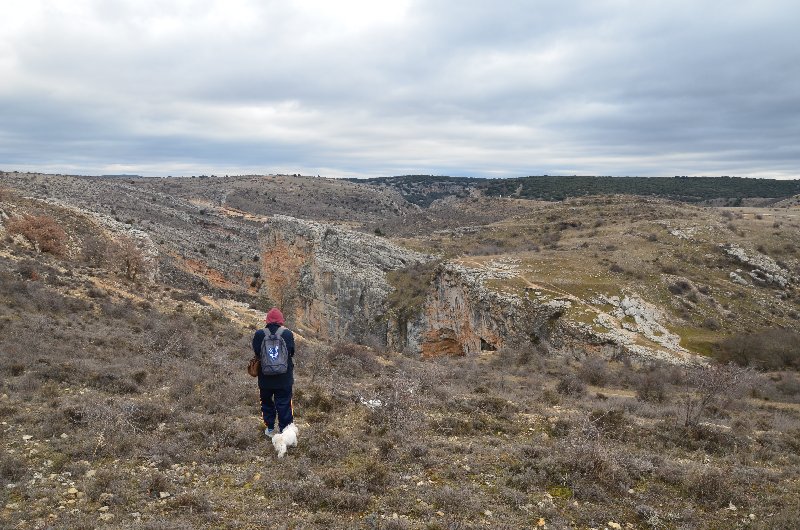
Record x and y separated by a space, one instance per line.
374 88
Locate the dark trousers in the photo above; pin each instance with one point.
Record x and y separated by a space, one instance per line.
276 400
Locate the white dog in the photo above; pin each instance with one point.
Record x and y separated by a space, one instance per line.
287 438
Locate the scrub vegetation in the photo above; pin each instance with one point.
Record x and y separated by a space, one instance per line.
125 402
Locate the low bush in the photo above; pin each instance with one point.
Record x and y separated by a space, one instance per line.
651 387
571 385
42 231
679 287
594 371
710 486
773 349
12 468
353 359
712 387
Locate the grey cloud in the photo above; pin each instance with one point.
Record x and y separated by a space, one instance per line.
471 88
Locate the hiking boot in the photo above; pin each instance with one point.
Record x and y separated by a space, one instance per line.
269 432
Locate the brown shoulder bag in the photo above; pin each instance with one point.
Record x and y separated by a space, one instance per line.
254 366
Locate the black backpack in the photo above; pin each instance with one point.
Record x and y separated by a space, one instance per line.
274 354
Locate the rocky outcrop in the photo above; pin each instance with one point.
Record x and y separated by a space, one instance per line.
330 279
461 316
763 269
636 328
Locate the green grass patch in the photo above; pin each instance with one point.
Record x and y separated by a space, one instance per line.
697 340
560 492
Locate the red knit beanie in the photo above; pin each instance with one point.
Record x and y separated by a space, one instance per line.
274 316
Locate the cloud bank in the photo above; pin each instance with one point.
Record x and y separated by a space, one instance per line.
364 88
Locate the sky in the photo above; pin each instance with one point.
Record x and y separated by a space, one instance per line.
364 88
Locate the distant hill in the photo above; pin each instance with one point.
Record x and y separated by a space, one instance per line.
424 189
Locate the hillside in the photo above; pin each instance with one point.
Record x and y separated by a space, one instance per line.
127 307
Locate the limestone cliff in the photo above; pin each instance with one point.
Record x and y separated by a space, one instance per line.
330 279
461 316
333 283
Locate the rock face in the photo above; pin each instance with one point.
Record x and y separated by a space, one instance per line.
331 280
463 317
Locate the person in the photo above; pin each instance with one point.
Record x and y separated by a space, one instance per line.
276 390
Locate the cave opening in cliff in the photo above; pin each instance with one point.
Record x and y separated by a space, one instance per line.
485 346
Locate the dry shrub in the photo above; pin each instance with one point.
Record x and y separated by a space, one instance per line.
42 231
399 403
712 386
679 287
772 349
570 385
707 438
110 481
396 524
786 519
459 500
651 387
193 502
611 423
788 386
455 426
313 494
582 461
12 468
710 486
95 249
494 405
594 371
357 473
315 404
353 359
128 258
156 482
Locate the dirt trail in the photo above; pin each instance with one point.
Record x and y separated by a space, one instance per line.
240 214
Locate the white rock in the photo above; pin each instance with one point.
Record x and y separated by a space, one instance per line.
163 494
765 265
735 278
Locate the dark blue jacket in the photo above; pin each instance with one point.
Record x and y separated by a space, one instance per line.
276 381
